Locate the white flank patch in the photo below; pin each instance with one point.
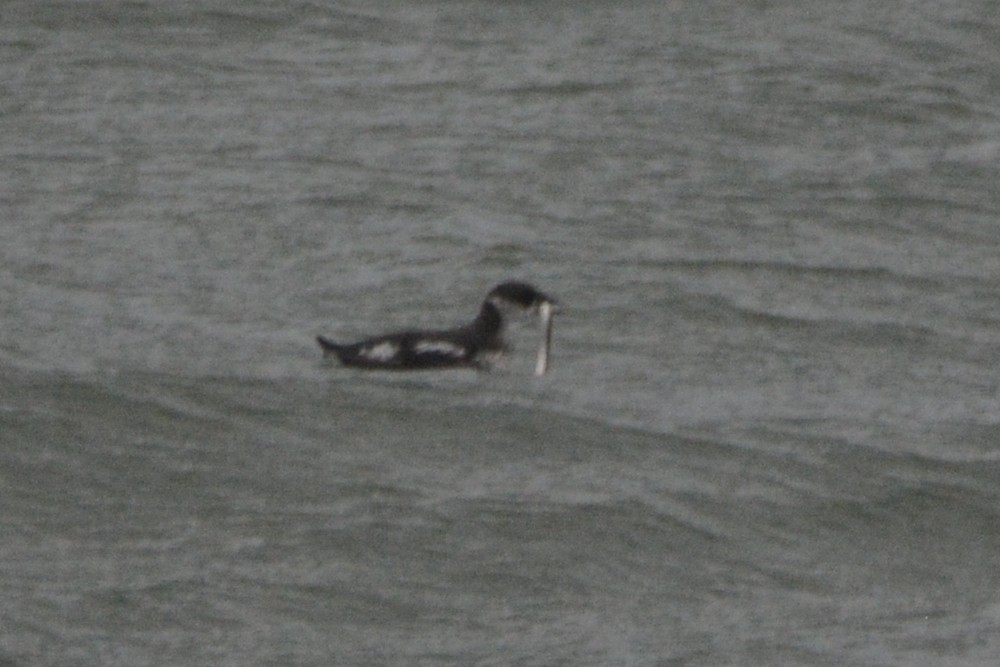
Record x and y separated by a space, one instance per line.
381 352
439 347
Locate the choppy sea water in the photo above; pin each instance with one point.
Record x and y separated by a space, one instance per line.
770 434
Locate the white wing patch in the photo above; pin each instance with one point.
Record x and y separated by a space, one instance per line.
439 347
381 352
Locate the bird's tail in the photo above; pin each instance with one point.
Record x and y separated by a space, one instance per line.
330 347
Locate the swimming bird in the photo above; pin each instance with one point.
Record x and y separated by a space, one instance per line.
475 345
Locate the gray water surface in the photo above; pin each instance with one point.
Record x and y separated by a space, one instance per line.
770 434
